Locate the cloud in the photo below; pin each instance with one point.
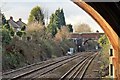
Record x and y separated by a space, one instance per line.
73 14
34 0
78 19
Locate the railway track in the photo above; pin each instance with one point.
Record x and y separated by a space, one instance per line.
34 64
57 66
13 74
77 71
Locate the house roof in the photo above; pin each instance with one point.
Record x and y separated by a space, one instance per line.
13 23
17 24
20 23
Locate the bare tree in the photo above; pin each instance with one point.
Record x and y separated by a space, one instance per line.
62 34
83 28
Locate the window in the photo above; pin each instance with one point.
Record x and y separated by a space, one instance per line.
111 69
111 52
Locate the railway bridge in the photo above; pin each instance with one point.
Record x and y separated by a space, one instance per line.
81 39
107 15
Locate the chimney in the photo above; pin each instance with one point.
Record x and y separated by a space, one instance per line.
97 35
11 17
20 19
97 31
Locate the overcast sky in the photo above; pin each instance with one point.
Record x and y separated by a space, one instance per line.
73 14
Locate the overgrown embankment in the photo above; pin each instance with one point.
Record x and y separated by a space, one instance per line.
33 46
104 55
24 44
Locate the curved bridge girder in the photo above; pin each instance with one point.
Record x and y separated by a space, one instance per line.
112 35
107 15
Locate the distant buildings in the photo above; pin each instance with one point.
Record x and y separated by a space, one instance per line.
16 25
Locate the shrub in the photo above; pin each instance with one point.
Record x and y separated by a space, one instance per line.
19 33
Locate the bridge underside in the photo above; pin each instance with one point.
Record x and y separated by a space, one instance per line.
107 15
110 12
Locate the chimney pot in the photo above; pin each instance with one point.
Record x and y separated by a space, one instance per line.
20 19
11 17
97 31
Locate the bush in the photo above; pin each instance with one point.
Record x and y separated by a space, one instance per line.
12 60
104 53
6 38
19 33
37 47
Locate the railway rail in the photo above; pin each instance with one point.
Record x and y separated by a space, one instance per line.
77 71
58 65
34 64
40 70
31 68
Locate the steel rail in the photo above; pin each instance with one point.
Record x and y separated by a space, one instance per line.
75 70
37 69
26 67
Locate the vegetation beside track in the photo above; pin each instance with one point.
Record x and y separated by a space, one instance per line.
104 55
34 42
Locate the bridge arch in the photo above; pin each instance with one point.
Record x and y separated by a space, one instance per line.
91 44
109 28
86 41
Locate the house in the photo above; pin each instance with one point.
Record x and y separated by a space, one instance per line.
16 25
20 23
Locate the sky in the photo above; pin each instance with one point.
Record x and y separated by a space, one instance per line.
73 14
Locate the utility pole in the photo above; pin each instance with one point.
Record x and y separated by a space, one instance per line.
0 17
46 15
